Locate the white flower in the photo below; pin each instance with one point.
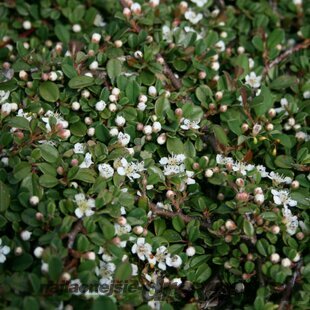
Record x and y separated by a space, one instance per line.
74 287
188 124
130 169
278 179
6 108
123 138
87 161
134 269
176 281
122 229
302 136
189 179
85 206
306 94
253 80
4 96
242 167
284 106
98 21
200 3
262 170
142 249
105 272
113 132
100 105
173 164
4 250
79 148
120 121
290 221
59 120
160 256
105 170
174 261
282 197
220 45
167 34
25 235
251 63
193 17
221 160
166 206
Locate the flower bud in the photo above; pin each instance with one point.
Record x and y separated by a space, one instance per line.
223 108
23 75
269 127
202 75
275 229
296 258
38 252
170 194
239 287
147 130
74 162
39 216
112 107
244 127
230 225
34 200
94 65
286 262
240 182
75 106
122 221
66 277
90 255
27 25
126 13
208 173
135 8
218 95
156 127
96 37
91 131
138 230
242 196
162 139
138 54
259 199
295 184
300 236
272 112
152 91
85 94
76 28
18 251
240 50
190 251
25 235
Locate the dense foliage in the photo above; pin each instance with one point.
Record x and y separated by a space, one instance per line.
154 154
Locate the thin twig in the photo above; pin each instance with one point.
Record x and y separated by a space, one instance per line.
184 217
78 227
286 54
289 288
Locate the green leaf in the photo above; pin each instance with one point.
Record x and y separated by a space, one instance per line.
85 175
54 267
114 68
248 228
62 33
132 91
203 273
178 223
203 93
69 70
49 91
282 82
5 197
20 263
275 38
123 272
49 153
258 43
21 170
220 134
175 146
78 129
104 302
78 82
47 180
171 236
107 228
162 105
19 122
30 302
284 161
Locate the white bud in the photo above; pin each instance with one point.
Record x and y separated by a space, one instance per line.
90 131
152 91
239 287
208 173
147 130
223 34
190 251
240 50
27 25
306 94
219 95
275 229
259 199
66 277
14 107
162 139
156 127
269 127
52 76
116 91
287 127
141 106
5 161
138 54
143 98
25 235
100 105
120 121
230 225
44 267
275 258
122 220
113 132
215 13
38 252
135 8
291 121
94 65
112 107
296 258
76 28
88 120
18 251
75 106
113 98
119 43
286 262
96 37
295 184
138 230
131 150
85 93
90 255
88 74
215 65
23 75
34 200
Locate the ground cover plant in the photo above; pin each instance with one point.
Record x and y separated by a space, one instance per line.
154 154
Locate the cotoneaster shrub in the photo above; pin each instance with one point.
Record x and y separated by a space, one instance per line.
154 154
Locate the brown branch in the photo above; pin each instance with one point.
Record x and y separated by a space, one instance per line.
289 288
78 227
286 54
176 83
184 217
260 273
